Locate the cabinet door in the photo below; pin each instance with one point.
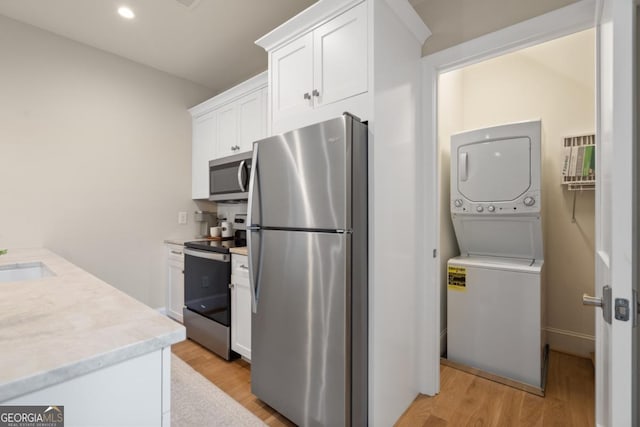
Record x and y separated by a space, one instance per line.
291 78
340 57
240 306
241 328
251 123
203 149
175 282
227 129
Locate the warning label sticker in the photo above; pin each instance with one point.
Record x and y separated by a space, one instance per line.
457 278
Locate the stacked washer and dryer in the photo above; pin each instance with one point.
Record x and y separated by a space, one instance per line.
495 292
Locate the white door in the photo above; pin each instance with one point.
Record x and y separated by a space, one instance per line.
494 171
203 150
251 123
292 74
227 130
616 254
340 57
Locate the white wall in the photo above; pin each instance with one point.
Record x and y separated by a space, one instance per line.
554 82
95 157
393 302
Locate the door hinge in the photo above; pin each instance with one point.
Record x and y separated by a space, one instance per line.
435 253
636 304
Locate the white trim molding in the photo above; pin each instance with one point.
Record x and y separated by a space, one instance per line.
310 18
570 342
256 82
567 20
407 14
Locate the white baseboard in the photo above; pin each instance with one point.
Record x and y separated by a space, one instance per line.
570 342
561 340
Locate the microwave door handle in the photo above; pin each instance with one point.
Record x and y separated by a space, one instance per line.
241 168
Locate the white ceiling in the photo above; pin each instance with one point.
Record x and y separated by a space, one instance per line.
211 43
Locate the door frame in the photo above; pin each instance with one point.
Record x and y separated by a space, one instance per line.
558 23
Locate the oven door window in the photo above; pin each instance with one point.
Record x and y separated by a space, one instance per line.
206 288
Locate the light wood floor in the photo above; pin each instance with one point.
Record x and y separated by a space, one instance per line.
464 399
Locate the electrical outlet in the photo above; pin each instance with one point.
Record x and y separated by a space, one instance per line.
182 217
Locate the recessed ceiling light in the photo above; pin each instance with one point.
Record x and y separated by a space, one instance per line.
125 12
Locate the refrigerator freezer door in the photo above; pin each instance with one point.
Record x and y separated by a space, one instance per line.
303 177
300 356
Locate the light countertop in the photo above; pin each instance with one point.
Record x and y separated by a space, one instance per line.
240 251
56 328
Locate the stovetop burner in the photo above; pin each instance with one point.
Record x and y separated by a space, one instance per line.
221 246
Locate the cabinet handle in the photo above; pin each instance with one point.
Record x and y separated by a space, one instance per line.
307 96
176 252
244 267
316 93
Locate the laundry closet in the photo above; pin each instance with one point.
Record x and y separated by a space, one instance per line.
517 202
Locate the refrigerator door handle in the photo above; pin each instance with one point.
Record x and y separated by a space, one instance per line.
253 250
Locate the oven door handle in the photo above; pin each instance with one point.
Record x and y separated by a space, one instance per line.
208 255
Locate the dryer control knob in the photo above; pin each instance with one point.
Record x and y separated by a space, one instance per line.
529 201
491 208
458 203
479 208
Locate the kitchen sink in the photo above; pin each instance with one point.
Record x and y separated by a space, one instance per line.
24 271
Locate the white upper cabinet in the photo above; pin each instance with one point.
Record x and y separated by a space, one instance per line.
340 57
292 78
227 130
227 124
319 70
203 149
252 123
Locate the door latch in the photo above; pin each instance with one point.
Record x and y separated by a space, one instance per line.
604 303
622 309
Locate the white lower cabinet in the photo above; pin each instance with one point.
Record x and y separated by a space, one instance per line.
175 281
240 306
138 390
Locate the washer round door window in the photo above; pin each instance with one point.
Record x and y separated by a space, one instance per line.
494 171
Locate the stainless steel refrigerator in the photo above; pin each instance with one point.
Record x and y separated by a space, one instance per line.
307 239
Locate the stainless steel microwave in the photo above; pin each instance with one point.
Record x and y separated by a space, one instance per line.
229 177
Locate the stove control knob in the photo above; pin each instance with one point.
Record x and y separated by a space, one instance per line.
529 201
479 209
491 208
458 203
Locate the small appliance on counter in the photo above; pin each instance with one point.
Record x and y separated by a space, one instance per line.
206 219
226 229
207 296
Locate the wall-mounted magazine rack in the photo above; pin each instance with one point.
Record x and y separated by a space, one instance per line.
579 163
